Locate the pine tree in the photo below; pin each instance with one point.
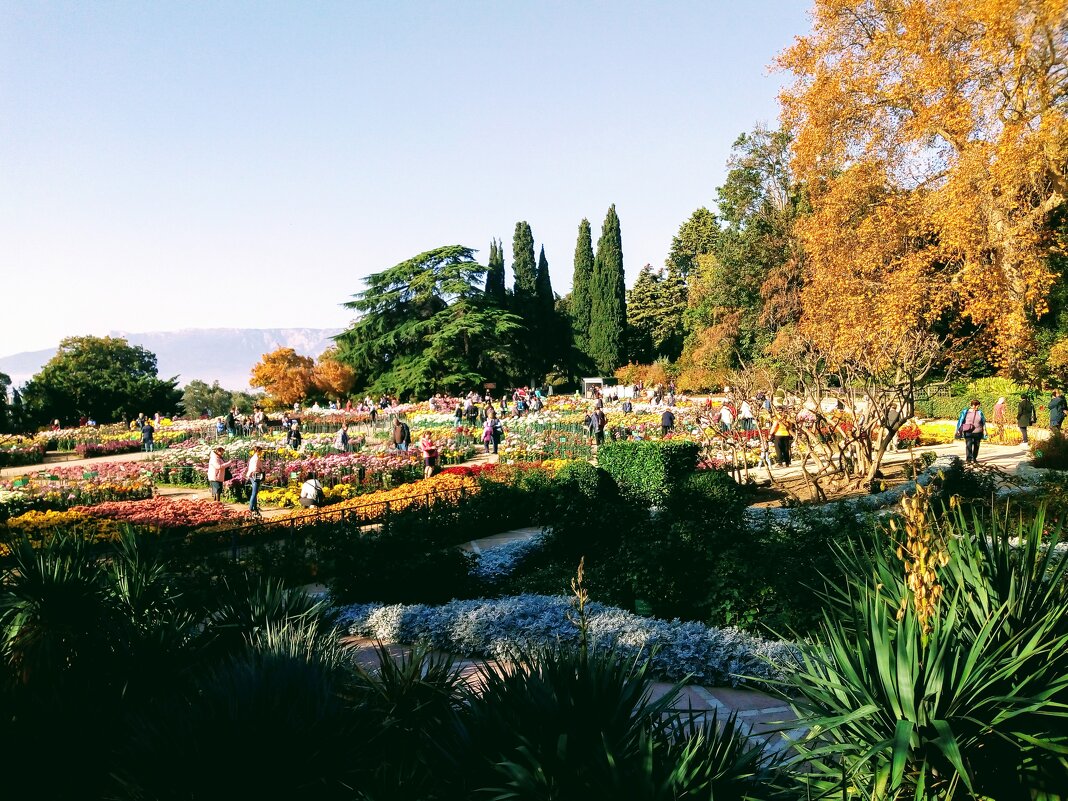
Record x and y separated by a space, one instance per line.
495 274
655 307
608 306
523 267
580 287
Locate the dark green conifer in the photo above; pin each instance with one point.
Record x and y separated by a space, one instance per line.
495 274
608 306
580 287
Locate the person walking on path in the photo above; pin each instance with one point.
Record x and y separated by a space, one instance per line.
997 414
1057 408
430 454
255 476
667 422
148 433
598 421
783 435
1025 416
402 435
971 425
217 472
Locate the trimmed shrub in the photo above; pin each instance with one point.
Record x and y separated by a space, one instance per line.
646 472
1052 452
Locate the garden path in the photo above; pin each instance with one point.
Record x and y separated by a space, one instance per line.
1006 458
764 714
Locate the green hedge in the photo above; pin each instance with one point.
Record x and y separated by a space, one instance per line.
647 472
950 407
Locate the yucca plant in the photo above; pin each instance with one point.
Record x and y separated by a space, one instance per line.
908 692
407 705
57 619
269 722
247 607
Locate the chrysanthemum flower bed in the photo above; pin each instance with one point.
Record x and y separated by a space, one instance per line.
165 513
61 488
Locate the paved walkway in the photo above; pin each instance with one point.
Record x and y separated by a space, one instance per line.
764 714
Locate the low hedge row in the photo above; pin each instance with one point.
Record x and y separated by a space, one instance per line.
950 407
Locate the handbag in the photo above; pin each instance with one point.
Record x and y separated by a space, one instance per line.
228 474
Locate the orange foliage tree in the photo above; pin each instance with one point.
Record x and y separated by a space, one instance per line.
331 377
284 375
932 138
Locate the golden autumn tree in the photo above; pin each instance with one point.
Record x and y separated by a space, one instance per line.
932 138
284 375
331 377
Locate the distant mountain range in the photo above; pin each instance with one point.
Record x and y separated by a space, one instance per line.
225 355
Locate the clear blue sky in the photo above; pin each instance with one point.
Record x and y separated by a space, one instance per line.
197 164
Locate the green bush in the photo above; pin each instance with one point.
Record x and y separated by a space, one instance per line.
1051 452
646 472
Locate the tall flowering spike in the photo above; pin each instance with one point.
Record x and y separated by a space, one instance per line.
924 552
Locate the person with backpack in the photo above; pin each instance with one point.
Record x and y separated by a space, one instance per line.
971 425
1025 416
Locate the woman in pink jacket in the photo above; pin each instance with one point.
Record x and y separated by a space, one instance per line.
217 472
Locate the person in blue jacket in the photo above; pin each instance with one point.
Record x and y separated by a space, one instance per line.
971 425
1057 408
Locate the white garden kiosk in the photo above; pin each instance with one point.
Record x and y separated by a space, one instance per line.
591 386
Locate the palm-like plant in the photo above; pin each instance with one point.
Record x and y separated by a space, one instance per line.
407 705
57 619
271 721
564 723
969 702
247 607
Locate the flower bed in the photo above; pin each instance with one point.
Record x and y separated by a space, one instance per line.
442 488
19 452
343 475
498 629
165 513
37 524
62 488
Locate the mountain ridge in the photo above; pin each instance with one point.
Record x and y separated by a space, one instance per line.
226 355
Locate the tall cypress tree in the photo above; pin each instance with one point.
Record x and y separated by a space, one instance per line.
523 267
608 304
495 274
543 287
580 287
